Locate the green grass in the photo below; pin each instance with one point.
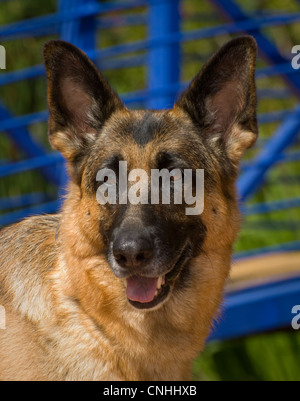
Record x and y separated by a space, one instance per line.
264 357
268 356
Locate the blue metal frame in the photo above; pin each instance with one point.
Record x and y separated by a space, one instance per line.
79 21
260 308
234 13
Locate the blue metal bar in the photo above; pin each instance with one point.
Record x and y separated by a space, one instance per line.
23 140
31 164
277 69
269 207
81 31
102 23
288 157
274 116
26 27
257 309
13 123
163 59
234 13
252 179
19 75
13 217
14 202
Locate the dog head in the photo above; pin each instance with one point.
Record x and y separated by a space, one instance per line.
149 244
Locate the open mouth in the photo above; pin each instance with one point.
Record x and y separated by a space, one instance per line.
148 292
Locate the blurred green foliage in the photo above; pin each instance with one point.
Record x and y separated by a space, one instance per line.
272 356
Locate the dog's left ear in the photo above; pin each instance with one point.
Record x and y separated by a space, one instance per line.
221 100
79 98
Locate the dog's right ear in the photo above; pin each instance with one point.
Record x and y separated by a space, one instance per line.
80 100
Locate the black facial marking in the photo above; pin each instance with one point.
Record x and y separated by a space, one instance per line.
144 131
170 160
111 163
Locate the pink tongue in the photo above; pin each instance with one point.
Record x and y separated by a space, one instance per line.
141 289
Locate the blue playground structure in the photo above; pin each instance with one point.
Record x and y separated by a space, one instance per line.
248 309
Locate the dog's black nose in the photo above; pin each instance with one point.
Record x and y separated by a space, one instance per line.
132 251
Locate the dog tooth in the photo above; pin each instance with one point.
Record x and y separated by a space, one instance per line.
159 282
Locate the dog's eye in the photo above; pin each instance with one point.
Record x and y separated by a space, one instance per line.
110 179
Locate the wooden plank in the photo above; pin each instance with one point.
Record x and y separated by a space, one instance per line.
262 269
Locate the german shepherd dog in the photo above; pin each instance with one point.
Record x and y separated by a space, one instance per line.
127 291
